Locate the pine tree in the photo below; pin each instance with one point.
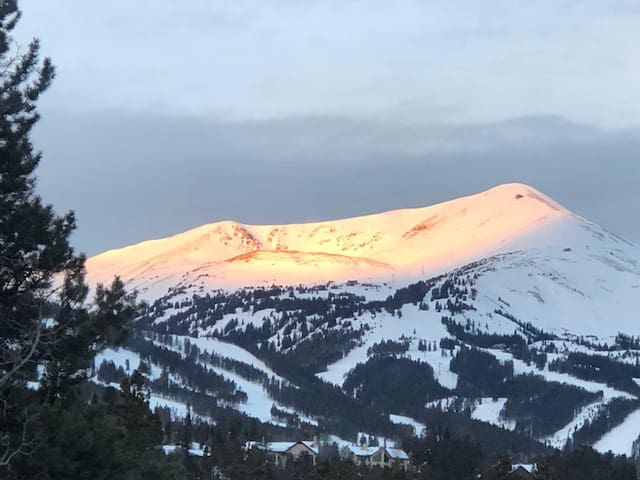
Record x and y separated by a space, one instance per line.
44 321
187 431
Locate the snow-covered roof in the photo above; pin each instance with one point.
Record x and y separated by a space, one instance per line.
397 454
194 450
362 451
311 446
169 448
281 447
529 467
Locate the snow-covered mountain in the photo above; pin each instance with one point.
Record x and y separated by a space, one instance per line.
506 274
403 244
561 271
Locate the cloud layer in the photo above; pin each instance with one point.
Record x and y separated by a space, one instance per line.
164 116
446 60
135 177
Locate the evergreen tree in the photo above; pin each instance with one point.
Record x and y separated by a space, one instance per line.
46 325
187 432
34 244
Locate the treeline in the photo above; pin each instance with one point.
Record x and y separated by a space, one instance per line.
533 333
480 374
515 343
610 415
242 369
107 372
440 455
335 411
494 441
316 352
539 407
104 432
389 348
599 368
469 334
585 463
394 385
185 376
295 316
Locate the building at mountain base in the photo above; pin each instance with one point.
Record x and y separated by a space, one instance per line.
522 471
283 453
376 456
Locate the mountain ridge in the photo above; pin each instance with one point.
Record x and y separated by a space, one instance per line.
407 240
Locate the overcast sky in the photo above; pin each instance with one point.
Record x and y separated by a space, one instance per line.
166 115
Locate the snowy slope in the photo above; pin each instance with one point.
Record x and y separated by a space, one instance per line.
591 289
563 273
418 428
258 404
529 260
400 243
620 439
489 410
383 326
227 350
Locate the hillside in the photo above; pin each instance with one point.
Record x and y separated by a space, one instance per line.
404 242
501 315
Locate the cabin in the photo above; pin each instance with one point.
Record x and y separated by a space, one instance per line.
283 453
376 456
523 471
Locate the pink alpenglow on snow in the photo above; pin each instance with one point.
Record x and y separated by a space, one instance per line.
394 244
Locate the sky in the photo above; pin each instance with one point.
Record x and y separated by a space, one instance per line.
167 115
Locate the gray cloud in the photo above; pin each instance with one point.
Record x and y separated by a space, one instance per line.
454 60
134 177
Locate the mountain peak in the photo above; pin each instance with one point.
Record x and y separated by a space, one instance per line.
506 217
521 190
